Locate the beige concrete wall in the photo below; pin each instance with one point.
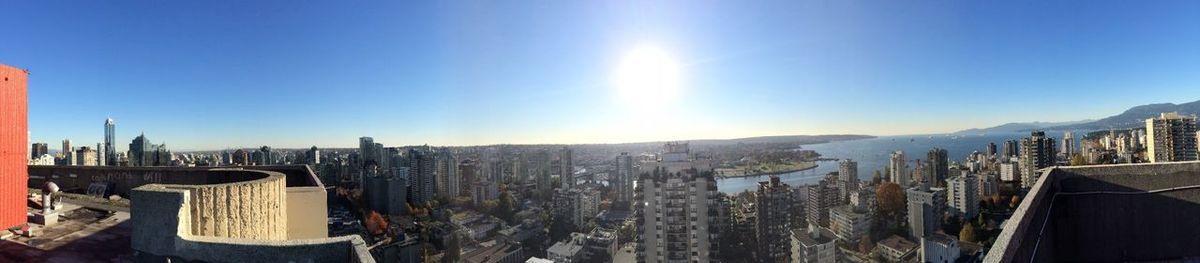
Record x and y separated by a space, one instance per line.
306 213
165 223
254 209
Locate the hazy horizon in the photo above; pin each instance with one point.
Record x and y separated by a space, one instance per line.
208 76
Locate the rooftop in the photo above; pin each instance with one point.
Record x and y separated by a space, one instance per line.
1124 212
82 235
808 240
898 243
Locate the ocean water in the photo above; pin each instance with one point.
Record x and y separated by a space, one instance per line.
873 154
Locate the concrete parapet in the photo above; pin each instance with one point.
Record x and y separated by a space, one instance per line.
240 218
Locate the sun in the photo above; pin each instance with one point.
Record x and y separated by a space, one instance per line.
647 77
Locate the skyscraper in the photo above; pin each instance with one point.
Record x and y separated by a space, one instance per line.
821 197
368 152
447 174
66 147
847 178
1171 137
773 224
939 167
675 220
1068 144
110 142
313 156
144 153
1011 148
898 169
265 156
421 171
566 168
1037 152
623 182
38 149
991 149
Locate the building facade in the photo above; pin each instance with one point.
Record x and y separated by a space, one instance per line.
1171 137
963 194
898 169
939 167
773 208
14 136
1037 152
847 177
925 210
677 217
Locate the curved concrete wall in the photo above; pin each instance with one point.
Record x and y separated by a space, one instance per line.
243 219
250 209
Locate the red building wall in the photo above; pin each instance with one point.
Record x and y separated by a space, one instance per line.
14 135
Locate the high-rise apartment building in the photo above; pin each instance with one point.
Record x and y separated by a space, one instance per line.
1011 148
939 167
421 168
448 183
623 183
85 156
1171 137
1068 144
677 217
963 194
1037 152
265 156
925 210
38 149
774 205
991 149
821 197
898 169
847 178
110 142
566 168
69 153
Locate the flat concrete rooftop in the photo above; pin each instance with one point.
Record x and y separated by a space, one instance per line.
82 235
1106 213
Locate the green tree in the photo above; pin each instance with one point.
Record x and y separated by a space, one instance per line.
504 210
967 234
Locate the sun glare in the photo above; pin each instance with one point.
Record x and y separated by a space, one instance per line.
647 77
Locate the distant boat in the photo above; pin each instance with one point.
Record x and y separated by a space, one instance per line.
911 140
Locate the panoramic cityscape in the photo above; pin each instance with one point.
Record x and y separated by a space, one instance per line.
634 132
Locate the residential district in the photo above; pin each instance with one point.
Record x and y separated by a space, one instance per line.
110 201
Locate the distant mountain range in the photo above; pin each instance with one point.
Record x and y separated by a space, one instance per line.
1022 126
1131 118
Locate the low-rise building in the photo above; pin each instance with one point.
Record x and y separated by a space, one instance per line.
896 248
813 245
847 223
939 248
567 251
501 252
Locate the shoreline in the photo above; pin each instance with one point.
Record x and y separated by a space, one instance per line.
812 165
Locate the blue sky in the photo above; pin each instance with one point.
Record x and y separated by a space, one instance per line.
299 73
